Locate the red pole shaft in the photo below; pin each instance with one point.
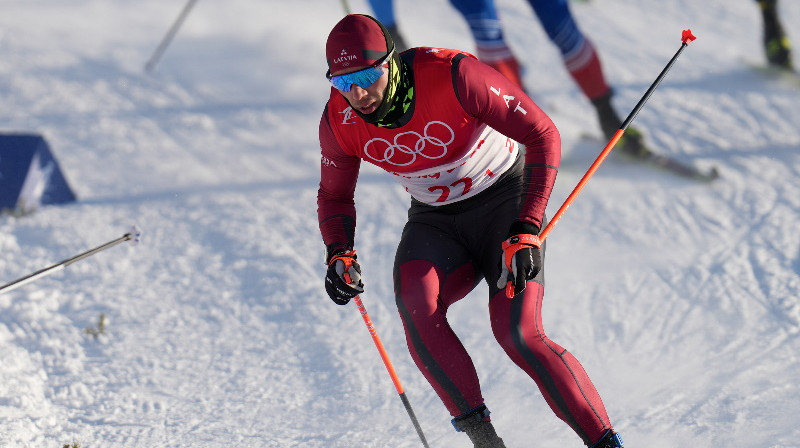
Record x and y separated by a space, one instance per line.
377 340
388 363
598 161
686 38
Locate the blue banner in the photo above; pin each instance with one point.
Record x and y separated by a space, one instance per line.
30 175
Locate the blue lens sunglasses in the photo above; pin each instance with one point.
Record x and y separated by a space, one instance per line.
362 78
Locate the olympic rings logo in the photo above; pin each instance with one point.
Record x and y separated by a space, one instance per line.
407 146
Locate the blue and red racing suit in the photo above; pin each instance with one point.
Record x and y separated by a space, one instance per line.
458 156
577 51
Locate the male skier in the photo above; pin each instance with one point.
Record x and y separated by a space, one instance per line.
449 127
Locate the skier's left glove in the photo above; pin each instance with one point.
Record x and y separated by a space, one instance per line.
522 258
343 280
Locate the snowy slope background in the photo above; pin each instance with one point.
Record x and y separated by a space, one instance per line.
680 299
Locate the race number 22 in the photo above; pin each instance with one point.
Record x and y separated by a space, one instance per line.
464 182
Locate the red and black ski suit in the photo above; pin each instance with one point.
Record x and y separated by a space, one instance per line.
458 157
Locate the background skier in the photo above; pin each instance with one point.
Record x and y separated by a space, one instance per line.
577 52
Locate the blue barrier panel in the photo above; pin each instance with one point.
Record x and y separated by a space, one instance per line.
29 174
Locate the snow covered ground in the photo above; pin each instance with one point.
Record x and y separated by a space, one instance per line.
679 298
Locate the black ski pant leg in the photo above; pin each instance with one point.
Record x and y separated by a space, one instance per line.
432 271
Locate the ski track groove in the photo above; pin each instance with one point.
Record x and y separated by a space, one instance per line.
679 298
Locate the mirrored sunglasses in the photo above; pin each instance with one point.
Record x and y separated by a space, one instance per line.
362 78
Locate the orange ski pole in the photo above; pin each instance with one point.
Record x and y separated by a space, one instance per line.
686 38
390 368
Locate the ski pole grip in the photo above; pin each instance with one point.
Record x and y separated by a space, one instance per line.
346 258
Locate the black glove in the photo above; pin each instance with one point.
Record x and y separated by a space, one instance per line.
522 258
343 280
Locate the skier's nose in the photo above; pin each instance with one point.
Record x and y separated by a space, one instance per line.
358 92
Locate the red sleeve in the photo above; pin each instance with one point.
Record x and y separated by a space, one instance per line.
336 209
489 96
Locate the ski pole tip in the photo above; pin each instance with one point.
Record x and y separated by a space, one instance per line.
134 235
687 37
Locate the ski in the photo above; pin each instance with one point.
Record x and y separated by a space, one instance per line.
648 157
780 74
673 166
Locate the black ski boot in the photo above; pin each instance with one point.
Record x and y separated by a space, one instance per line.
478 428
632 143
776 43
609 440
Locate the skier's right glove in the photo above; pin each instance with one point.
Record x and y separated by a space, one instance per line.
343 280
522 258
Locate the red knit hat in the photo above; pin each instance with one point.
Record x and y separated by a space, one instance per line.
357 40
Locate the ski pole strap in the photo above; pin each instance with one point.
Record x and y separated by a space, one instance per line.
510 248
474 415
517 242
347 258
